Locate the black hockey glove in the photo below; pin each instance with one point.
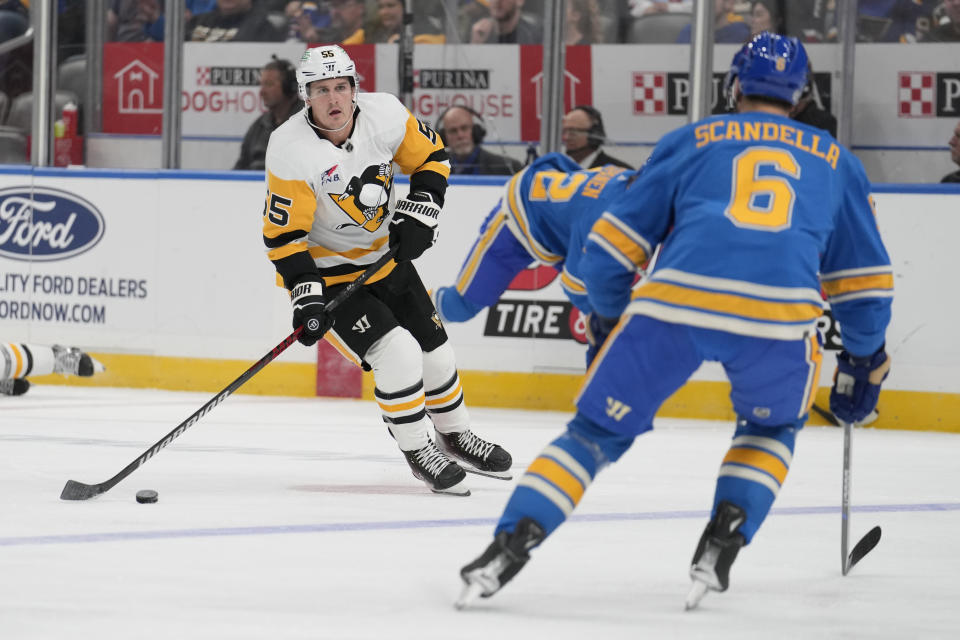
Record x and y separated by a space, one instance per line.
413 229
310 309
856 385
597 329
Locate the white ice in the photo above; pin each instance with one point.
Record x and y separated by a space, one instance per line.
298 518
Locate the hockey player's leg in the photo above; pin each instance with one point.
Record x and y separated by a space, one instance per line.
751 474
445 406
396 363
544 497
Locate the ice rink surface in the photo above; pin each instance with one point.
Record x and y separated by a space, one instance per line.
298 518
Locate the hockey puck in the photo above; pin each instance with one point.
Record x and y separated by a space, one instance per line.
146 496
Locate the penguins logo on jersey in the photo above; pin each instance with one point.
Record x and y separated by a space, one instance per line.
366 197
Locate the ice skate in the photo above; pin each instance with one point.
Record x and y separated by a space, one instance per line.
74 362
502 560
439 473
14 386
716 551
476 455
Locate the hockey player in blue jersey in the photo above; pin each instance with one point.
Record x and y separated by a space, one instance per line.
754 212
544 217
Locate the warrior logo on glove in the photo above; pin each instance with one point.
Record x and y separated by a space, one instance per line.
365 198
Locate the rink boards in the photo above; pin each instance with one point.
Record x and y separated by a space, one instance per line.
163 276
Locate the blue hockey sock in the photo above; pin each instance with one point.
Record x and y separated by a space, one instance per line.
453 307
553 484
753 471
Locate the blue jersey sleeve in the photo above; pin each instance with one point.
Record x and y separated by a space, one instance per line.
855 270
625 235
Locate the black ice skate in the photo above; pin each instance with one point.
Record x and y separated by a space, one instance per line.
716 551
502 560
475 454
439 473
72 361
14 386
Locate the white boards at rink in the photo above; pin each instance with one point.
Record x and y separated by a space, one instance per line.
164 275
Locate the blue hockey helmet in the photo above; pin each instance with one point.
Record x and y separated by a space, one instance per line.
772 66
728 80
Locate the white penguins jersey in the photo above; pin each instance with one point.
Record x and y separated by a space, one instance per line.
334 203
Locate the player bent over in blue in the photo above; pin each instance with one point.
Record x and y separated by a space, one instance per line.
754 212
544 217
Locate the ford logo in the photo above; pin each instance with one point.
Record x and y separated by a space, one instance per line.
44 224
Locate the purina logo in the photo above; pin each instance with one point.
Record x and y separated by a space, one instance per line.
44 224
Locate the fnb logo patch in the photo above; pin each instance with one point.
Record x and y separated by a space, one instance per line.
44 224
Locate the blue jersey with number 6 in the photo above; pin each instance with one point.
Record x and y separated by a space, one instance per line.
756 213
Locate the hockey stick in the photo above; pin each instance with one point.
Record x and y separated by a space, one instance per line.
867 542
74 490
826 415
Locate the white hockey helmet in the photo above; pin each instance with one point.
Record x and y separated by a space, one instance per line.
322 63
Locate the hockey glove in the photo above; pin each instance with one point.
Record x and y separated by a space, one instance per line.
414 226
597 329
856 385
310 309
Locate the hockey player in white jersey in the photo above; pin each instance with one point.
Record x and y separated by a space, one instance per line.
18 360
331 211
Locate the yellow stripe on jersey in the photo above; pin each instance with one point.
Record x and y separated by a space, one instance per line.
815 360
286 250
290 206
616 237
479 250
840 286
558 475
341 346
350 254
779 311
419 141
571 283
350 277
518 215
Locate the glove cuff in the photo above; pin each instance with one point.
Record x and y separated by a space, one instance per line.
421 207
310 285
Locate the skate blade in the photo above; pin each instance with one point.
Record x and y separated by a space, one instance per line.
499 475
697 592
471 591
459 489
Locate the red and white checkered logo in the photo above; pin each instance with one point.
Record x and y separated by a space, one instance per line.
916 95
203 76
649 93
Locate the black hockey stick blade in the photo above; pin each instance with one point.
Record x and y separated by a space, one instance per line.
826 415
862 548
74 490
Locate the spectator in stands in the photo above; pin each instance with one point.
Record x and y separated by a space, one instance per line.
308 22
13 19
143 21
766 15
808 111
894 20
506 24
646 7
948 30
583 136
462 130
387 24
954 155
582 25
728 27
346 17
278 90
233 21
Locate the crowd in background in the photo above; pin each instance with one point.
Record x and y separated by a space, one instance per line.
519 21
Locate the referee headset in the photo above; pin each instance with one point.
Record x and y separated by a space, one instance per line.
479 130
596 135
